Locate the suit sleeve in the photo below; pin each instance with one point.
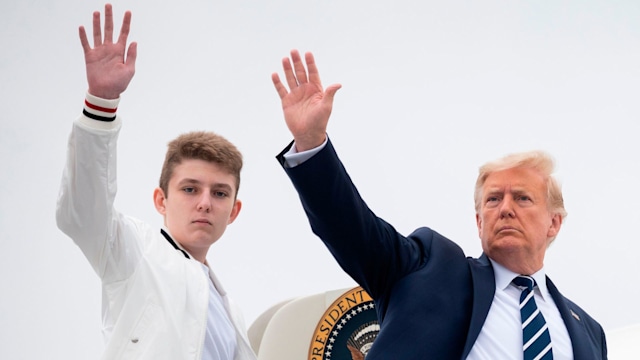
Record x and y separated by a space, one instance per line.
369 249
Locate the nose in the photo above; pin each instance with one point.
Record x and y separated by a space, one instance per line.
204 203
506 208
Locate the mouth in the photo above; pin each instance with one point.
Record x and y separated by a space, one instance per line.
201 221
507 229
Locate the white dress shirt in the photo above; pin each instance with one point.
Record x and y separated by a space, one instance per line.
501 334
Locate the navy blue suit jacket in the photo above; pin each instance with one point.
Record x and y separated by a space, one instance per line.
431 299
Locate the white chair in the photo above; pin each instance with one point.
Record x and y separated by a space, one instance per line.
257 328
302 328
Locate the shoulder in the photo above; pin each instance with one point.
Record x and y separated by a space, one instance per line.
434 243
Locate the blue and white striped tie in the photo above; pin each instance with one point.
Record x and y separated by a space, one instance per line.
535 334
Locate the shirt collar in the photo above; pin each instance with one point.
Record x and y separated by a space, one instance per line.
504 277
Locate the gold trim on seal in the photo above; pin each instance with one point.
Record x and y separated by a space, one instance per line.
348 301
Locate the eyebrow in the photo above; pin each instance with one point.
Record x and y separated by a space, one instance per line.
218 185
514 192
189 181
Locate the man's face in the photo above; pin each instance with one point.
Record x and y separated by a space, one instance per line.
514 222
199 206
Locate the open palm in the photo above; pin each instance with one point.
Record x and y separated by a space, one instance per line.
109 68
306 105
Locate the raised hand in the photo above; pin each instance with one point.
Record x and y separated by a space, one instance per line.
109 68
306 105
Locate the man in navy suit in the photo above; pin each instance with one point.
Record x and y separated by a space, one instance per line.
433 302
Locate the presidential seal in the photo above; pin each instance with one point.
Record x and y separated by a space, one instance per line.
347 329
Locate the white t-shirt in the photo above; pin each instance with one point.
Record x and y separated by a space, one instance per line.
220 339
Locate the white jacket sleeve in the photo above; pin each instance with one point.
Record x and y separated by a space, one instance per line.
85 209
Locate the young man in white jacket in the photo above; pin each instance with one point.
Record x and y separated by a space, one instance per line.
160 299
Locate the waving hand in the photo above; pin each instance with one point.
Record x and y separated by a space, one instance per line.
306 105
109 68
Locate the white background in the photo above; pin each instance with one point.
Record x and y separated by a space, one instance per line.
431 90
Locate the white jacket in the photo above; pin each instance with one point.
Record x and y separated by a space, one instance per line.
155 300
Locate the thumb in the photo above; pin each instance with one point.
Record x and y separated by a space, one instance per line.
330 92
132 54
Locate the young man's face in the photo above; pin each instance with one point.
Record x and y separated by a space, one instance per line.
199 205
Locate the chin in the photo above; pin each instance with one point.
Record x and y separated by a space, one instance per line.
199 239
502 245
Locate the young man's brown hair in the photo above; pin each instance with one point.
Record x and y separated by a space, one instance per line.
201 145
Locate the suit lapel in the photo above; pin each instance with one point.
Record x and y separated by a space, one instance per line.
483 292
484 288
574 324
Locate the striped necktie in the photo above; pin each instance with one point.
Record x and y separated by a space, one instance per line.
535 334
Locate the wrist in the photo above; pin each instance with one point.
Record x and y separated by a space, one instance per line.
304 143
103 94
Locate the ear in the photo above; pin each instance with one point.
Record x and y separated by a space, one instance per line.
237 205
554 228
158 200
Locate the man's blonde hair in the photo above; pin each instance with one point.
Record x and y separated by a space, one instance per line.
539 161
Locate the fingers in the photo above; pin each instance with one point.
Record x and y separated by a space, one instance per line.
108 24
314 75
126 25
97 31
83 39
108 29
288 73
301 72
282 91
295 72
296 75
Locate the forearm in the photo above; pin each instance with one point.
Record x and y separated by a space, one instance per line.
366 247
88 188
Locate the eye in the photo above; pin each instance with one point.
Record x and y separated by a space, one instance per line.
189 190
220 194
524 198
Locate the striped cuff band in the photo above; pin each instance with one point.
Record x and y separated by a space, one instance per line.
100 109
